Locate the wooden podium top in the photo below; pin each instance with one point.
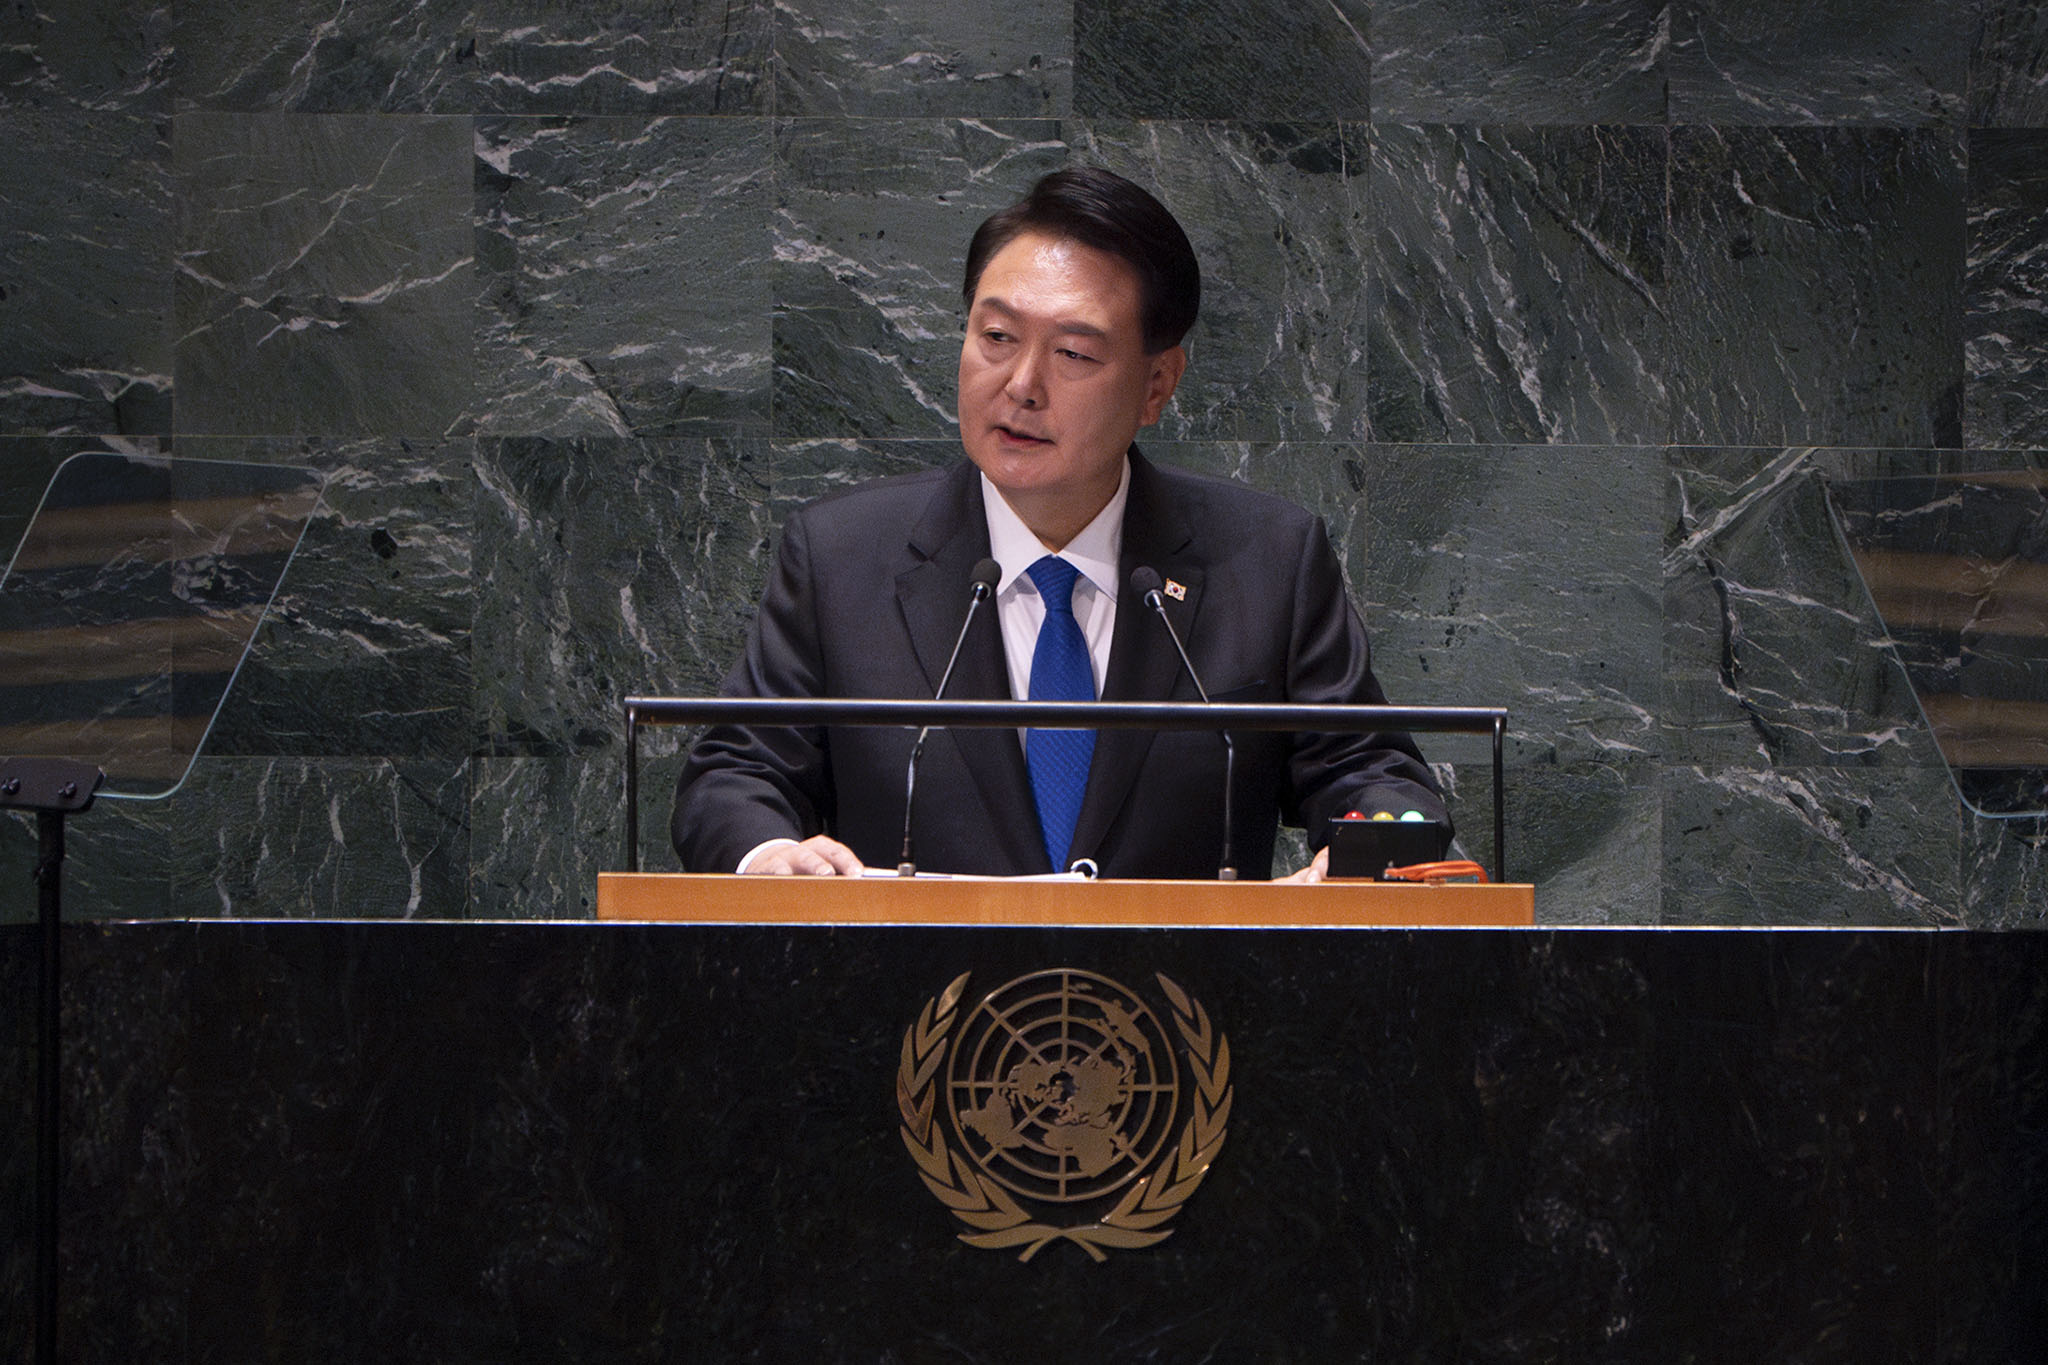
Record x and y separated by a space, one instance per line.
687 898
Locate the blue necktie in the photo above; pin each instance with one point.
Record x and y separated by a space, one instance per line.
1060 671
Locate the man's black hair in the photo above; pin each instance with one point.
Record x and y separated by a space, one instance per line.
1101 209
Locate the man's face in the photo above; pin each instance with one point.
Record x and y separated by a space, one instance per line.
1054 379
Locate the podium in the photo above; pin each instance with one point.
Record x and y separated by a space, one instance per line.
694 898
685 1141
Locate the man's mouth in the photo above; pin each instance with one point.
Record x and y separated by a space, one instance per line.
1021 437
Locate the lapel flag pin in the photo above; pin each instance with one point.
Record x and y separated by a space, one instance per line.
1176 591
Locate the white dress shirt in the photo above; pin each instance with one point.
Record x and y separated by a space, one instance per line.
1022 611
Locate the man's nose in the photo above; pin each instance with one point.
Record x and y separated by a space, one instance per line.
1024 385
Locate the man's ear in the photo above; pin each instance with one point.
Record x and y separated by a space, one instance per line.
1167 368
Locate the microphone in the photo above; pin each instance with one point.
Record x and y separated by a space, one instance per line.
981 586
1145 580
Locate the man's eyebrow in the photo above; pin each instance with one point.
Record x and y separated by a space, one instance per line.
1066 327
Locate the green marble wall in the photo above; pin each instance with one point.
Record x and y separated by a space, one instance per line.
1557 312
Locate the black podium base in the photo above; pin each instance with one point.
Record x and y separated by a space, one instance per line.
456 1142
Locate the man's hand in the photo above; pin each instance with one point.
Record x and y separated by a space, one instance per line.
1317 869
817 856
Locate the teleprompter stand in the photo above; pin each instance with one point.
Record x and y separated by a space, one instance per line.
125 612
53 788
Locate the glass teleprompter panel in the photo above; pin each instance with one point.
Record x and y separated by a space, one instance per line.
130 603
1956 564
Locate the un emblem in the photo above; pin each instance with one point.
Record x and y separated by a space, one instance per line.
1056 1110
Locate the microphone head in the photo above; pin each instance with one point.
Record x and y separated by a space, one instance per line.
986 574
1145 580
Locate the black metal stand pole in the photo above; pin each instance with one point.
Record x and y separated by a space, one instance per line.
49 879
53 788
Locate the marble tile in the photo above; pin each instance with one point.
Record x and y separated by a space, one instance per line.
137 575
640 56
550 1191
1330 480
117 863
1588 834
1518 289
124 856
1325 477
1773 653
607 568
1846 62
324 274
27 464
2007 65
1993 1239
1803 1069
543 828
622 267
1551 1186
924 58
1815 286
128 1160
265 1160
871 226
342 838
1959 508
449 56
1519 577
804 470
1270 210
1515 577
2005 876
366 648
103 55
1824 846
1222 59
309 57
1501 61
2005 335
521 810
1290 850
85 299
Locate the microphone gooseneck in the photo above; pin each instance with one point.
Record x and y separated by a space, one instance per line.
1145 580
981 586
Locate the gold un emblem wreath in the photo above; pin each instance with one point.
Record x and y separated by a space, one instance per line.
1053 1110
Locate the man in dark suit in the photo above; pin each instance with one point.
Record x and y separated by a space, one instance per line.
1078 297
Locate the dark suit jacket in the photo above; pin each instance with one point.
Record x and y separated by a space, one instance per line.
865 600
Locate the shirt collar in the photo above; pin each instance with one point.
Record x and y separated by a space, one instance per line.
1095 551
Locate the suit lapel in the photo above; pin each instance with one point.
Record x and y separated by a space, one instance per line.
932 595
1143 664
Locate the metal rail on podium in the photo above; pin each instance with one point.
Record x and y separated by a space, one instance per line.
1097 715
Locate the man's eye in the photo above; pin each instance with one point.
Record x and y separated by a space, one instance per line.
993 335
1076 355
